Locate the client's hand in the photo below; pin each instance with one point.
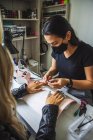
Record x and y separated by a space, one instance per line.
34 86
46 78
55 99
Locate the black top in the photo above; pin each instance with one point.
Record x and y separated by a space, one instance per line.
73 67
46 129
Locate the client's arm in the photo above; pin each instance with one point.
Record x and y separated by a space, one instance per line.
32 87
49 116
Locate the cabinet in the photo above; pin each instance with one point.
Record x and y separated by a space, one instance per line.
50 8
56 9
25 14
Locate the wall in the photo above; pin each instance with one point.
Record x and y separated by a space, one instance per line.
81 19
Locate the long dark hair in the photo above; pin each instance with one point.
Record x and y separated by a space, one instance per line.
58 25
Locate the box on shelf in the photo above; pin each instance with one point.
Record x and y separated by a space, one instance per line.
15 30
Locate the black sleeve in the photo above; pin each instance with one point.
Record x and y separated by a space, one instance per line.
4 136
19 92
8 133
48 122
88 57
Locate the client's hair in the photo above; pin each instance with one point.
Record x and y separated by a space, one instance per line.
7 101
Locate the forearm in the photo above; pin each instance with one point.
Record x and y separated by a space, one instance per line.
82 84
48 122
77 84
52 71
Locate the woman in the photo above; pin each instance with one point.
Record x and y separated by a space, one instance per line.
10 127
71 58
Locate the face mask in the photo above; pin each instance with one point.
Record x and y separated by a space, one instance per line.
60 49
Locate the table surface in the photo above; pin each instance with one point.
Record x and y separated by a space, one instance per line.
66 118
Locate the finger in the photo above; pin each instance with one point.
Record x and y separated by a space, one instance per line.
49 78
41 83
53 80
36 82
38 86
45 78
57 95
53 84
59 101
60 97
37 90
50 86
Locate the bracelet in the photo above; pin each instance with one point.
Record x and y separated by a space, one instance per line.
70 84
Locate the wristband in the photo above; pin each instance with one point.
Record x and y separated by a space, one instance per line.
70 83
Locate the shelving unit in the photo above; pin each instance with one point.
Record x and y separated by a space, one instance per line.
26 38
19 19
51 6
48 11
32 41
59 9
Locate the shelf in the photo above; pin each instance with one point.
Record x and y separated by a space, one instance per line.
57 14
26 38
52 6
14 14
56 11
20 19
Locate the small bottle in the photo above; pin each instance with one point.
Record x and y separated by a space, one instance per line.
19 64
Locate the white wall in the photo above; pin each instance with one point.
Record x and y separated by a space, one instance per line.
81 19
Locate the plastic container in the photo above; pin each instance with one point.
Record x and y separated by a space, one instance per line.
79 133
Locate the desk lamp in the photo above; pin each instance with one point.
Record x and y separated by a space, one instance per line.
8 42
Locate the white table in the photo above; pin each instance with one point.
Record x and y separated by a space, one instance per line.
32 117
